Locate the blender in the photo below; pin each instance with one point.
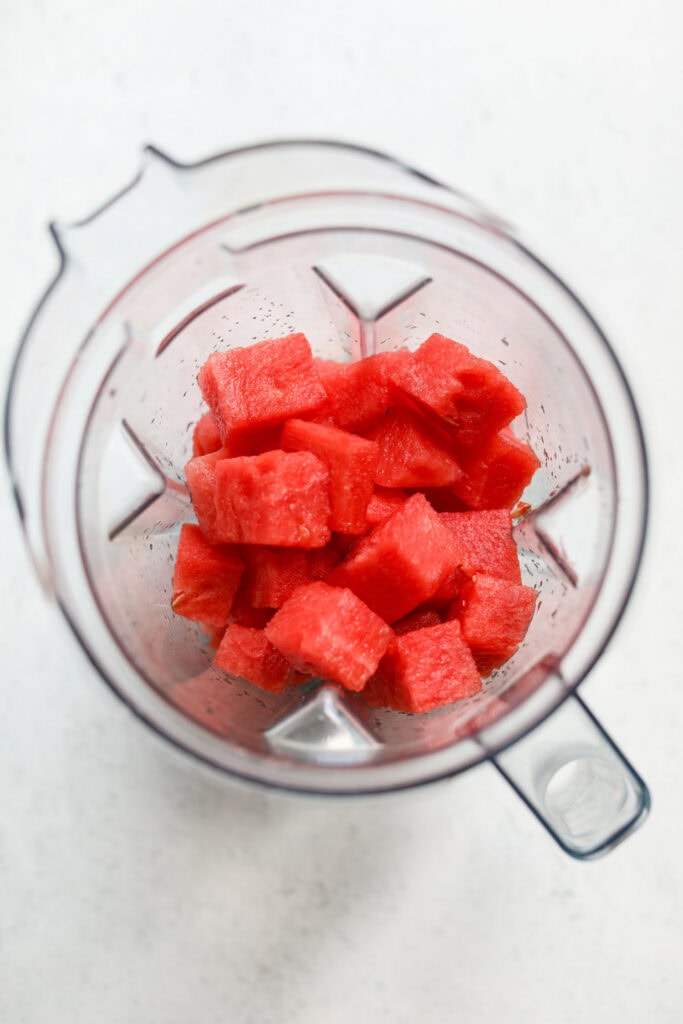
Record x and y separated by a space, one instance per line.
362 254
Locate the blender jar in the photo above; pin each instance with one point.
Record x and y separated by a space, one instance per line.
362 254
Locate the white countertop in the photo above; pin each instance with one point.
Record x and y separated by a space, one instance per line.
135 890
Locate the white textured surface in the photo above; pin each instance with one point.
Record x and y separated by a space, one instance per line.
133 889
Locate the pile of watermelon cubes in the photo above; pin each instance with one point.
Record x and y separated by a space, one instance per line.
354 520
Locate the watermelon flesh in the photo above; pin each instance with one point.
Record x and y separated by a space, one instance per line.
277 498
383 502
425 669
482 543
248 389
351 462
494 616
412 453
321 561
401 563
496 475
328 631
466 392
206 578
200 474
246 614
335 502
358 394
272 574
206 437
247 652
417 620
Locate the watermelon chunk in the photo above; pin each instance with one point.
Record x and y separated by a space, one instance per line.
272 574
361 495
467 392
359 393
248 389
401 563
420 619
277 498
383 502
206 578
321 561
351 462
244 612
494 616
206 438
252 440
247 653
496 475
412 453
423 670
483 543
328 631
200 474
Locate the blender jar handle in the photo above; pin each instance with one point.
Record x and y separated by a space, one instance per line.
576 781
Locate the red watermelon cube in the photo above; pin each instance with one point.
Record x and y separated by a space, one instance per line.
423 670
277 498
248 389
383 502
494 617
469 393
401 563
351 462
496 475
247 653
420 619
200 474
327 631
335 544
253 440
206 438
244 612
483 543
321 561
412 453
359 393
206 578
272 574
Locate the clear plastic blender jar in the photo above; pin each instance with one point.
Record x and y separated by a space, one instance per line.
362 254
